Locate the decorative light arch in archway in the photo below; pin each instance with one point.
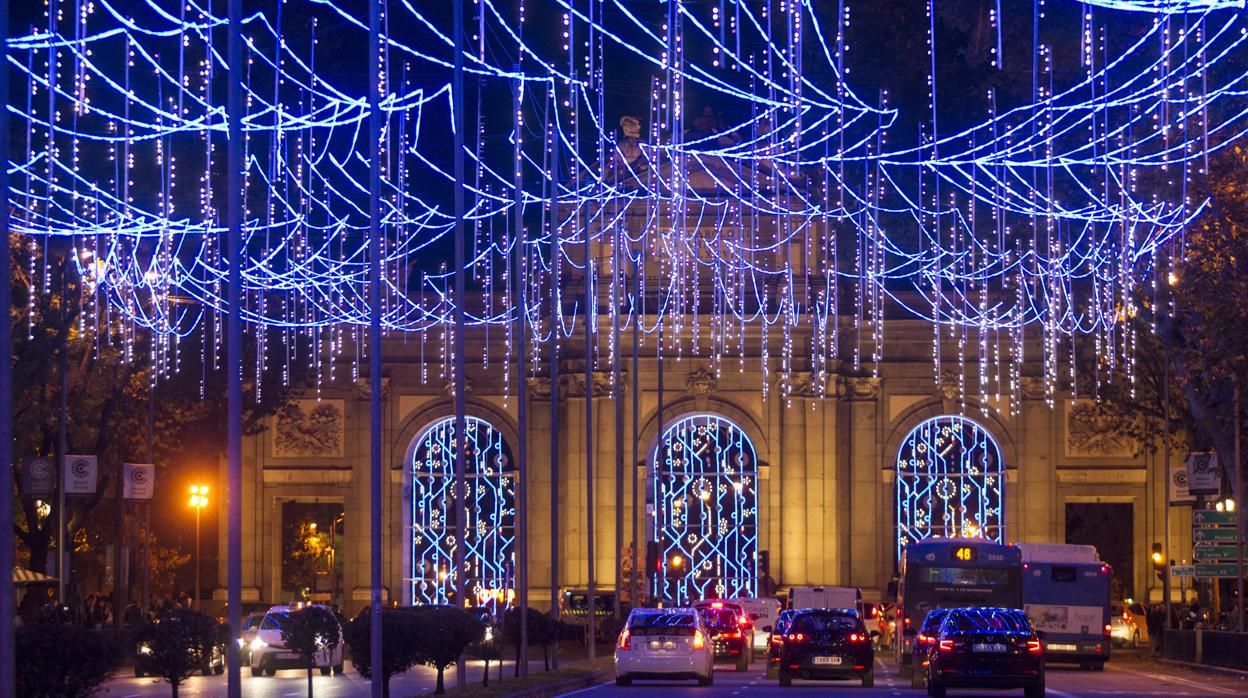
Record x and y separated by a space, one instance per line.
491 508
704 492
950 482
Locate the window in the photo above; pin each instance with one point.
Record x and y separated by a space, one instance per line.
705 503
949 483
490 506
1064 574
965 576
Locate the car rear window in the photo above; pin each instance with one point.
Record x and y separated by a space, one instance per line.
819 623
720 618
273 621
663 624
989 622
932 620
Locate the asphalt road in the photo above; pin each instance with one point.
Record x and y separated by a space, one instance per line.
1125 675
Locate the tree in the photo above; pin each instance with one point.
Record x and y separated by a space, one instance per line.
178 644
61 661
489 648
400 643
542 633
444 633
310 631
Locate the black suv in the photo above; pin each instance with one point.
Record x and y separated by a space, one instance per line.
732 634
826 644
923 642
986 648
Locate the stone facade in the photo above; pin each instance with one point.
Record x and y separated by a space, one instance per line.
826 464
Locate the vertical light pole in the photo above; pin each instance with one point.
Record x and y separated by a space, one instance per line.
199 500
234 341
8 669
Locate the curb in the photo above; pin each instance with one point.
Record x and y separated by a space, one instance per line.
564 686
1209 668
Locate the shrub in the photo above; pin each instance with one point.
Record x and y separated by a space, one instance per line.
61 661
310 630
400 645
489 648
178 644
444 633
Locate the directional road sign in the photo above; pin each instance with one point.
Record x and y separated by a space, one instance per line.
1222 535
1226 569
1213 518
1214 553
1182 571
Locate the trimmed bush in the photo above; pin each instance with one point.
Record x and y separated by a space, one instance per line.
61 661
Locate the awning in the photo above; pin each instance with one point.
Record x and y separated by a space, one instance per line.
23 576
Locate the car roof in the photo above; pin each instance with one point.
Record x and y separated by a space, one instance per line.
829 611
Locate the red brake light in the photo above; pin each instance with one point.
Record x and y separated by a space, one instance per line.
626 642
743 620
857 637
924 639
699 642
946 645
795 637
717 604
1033 646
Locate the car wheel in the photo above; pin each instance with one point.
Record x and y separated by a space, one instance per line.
338 669
1135 639
868 679
1035 690
935 690
906 670
623 681
917 680
785 680
771 671
743 663
257 671
708 680
325 671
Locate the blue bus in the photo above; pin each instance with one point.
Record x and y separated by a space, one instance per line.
953 573
1066 590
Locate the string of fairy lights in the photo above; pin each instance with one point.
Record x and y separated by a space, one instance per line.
801 211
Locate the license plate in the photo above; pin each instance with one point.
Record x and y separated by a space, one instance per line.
990 647
662 644
1062 648
827 660
288 655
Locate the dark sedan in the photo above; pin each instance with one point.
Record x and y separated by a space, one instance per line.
923 643
986 648
826 644
775 640
732 636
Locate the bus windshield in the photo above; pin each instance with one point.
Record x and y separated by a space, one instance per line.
964 576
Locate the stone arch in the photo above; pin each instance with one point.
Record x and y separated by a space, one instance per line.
648 435
419 420
914 415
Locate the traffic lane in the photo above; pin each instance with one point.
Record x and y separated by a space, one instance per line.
1124 676
418 680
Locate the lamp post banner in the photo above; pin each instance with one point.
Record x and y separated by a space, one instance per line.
38 478
139 480
1179 491
1203 474
81 474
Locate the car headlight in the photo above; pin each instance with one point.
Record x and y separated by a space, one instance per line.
241 643
145 648
258 644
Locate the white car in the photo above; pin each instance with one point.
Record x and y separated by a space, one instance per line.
664 643
267 653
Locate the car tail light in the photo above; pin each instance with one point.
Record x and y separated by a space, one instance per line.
743 620
717 604
777 639
1033 646
924 639
731 635
795 637
946 645
626 642
699 642
856 637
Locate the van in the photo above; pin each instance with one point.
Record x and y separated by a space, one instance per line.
763 612
826 597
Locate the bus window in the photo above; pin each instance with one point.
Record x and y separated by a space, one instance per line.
966 576
1064 574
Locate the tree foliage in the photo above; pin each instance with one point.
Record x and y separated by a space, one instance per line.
178 644
445 633
310 631
400 643
61 661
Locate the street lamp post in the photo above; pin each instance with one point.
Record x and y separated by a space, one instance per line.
199 500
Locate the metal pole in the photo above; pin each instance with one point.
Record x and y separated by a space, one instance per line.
461 299
121 593
555 322
8 664
633 587
234 342
521 301
1165 436
374 346
1239 519
589 321
616 303
195 601
62 451
147 509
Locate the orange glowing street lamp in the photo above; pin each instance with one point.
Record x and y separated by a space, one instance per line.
199 500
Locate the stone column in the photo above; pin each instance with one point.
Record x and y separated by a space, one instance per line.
794 554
